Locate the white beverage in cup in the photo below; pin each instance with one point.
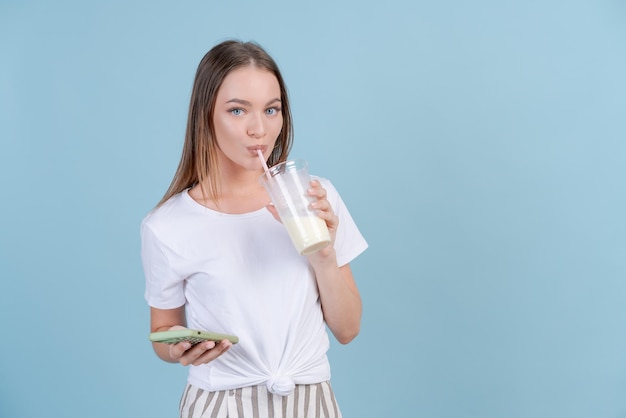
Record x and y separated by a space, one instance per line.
287 185
308 233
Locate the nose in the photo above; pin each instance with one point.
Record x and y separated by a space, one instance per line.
256 126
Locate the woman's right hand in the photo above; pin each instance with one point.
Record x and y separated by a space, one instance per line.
201 353
183 352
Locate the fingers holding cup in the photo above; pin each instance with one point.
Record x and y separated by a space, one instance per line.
322 206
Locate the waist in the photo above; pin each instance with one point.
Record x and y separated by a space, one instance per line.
224 375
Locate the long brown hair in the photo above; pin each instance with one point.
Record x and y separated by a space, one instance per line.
199 161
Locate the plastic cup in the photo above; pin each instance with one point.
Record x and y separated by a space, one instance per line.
287 185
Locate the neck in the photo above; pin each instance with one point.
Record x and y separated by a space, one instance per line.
235 179
238 190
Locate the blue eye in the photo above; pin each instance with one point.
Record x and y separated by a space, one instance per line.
272 111
236 111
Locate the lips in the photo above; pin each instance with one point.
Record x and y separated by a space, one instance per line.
253 149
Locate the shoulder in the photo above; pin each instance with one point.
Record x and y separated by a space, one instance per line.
166 215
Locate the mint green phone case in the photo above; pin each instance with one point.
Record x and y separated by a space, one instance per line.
192 335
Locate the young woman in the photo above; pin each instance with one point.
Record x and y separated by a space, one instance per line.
217 258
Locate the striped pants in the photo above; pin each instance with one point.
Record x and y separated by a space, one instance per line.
306 401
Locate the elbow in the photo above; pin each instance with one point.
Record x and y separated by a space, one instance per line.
347 336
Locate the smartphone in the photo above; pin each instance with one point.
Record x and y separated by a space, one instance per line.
192 335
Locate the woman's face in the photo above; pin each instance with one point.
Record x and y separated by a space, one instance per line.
247 116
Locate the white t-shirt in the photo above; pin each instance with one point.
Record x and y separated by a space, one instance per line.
240 274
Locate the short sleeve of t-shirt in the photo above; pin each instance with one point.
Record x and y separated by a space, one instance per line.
164 289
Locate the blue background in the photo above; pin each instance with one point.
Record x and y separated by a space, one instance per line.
479 145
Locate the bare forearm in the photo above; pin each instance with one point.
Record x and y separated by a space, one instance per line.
165 320
341 302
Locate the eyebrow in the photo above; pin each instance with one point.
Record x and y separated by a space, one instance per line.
247 103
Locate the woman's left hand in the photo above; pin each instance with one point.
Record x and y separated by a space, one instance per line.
321 206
